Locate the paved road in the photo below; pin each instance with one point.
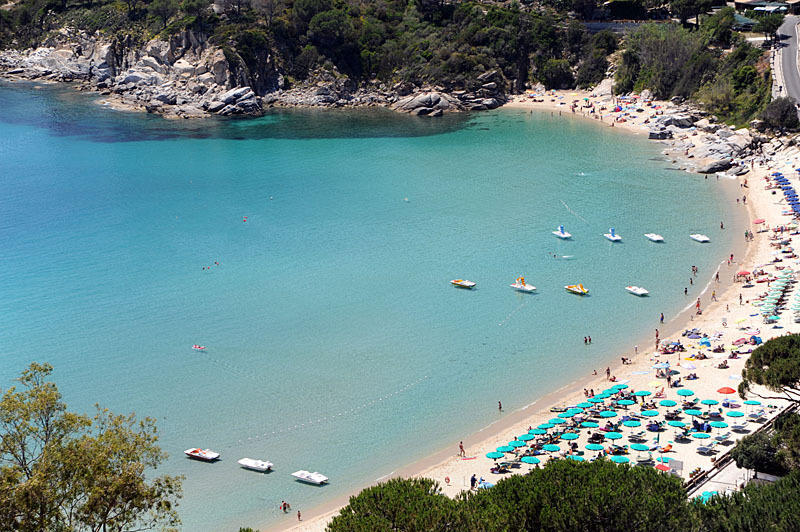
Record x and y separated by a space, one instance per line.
791 76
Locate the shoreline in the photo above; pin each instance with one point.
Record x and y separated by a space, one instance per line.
439 464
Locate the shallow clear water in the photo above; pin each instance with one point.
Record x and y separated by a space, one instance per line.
335 342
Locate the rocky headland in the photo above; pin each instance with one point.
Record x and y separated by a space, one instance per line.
187 77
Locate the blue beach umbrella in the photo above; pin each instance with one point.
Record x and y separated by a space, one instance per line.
526 437
620 386
709 402
685 392
734 413
557 421
594 447
620 459
610 391
663 459
676 423
640 447
661 365
718 424
494 455
632 423
667 402
752 402
589 425
608 413
566 415
575 410
626 402
596 400
546 426
701 435
585 404
537 432
613 435
575 457
529 460
516 443
650 413
569 436
551 447
642 393
693 412
505 449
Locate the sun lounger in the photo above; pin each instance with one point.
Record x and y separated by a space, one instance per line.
637 436
741 427
723 437
707 449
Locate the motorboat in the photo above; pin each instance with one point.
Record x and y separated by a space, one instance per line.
637 290
653 237
262 466
463 283
576 289
560 233
310 478
206 455
699 237
522 286
613 236
198 347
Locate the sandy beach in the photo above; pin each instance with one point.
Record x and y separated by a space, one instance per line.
728 314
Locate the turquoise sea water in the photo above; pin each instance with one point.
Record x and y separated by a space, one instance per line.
335 342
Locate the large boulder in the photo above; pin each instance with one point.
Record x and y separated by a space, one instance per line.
427 100
234 95
713 166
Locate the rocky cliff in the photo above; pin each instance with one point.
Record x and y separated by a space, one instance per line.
188 77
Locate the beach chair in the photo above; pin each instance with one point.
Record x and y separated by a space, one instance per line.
756 416
740 427
723 437
707 449
638 436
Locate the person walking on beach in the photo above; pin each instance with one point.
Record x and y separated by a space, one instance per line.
472 481
298 516
608 373
461 451
716 277
697 305
713 295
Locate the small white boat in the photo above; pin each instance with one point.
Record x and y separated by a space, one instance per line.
206 455
576 289
637 290
653 237
560 233
522 286
462 283
262 466
699 237
611 235
310 478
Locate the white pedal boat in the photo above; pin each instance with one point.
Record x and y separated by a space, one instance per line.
637 290
262 466
206 455
612 236
653 237
699 237
576 289
463 283
522 286
310 478
560 233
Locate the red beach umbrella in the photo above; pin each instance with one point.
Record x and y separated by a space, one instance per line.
726 390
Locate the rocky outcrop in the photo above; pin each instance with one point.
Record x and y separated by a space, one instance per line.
713 166
425 103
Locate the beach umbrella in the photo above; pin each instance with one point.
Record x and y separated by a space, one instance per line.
613 435
494 455
608 413
620 386
551 448
626 402
752 402
546 426
595 400
642 393
640 447
685 393
743 272
526 437
505 449
674 423
693 412
589 425
620 459
661 365
575 457
709 402
557 421
575 410
663 459
718 424
537 432
701 435
650 413
735 413
594 447
569 436
529 460
662 467
516 443
610 391
566 415
632 423
584 404
667 402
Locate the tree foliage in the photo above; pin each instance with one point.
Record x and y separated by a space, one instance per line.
64 471
757 452
784 372
775 364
